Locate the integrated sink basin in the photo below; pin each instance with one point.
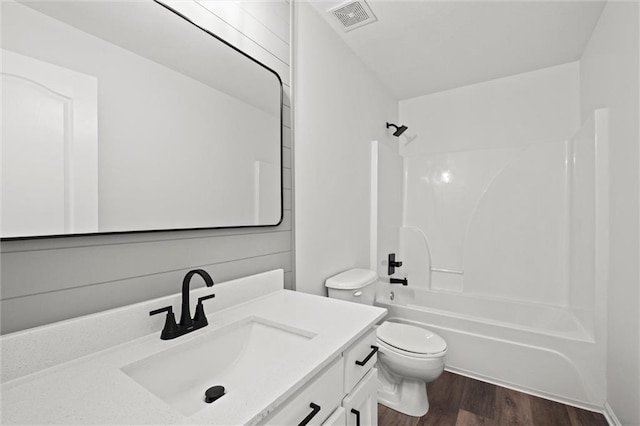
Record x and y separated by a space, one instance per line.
232 356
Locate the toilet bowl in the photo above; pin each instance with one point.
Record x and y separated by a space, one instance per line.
409 356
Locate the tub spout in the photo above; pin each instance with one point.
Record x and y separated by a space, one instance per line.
402 281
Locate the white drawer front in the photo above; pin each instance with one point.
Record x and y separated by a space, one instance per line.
361 405
355 355
324 392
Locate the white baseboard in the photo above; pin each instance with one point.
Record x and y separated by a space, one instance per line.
610 415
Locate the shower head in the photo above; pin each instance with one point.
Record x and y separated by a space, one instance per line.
399 130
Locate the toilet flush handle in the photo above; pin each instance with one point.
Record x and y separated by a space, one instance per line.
357 293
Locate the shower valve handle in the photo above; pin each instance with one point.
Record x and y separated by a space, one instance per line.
393 264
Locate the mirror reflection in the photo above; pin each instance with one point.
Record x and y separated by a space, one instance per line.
123 116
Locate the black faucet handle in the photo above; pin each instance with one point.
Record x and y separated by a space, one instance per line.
167 309
200 318
203 298
393 264
170 329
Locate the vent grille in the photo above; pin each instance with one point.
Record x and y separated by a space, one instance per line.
354 14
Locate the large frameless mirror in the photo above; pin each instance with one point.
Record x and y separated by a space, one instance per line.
125 116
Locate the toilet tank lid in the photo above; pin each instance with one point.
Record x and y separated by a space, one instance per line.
352 279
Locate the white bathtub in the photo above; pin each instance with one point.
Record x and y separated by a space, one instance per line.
539 349
534 317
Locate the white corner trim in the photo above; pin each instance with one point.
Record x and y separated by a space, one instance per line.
610 415
373 208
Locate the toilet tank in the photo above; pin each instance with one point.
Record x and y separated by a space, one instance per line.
354 285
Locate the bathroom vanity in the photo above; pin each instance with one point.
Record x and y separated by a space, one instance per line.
283 357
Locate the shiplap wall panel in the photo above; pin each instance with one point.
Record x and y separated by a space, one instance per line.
286 138
286 95
53 279
288 280
232 14
274 15
129 238
207 19
99 297
127 260
286 112
286 178
286 157
287 201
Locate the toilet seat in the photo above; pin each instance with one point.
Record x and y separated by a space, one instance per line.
410 340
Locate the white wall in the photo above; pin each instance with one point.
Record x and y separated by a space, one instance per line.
339 109
534 107
609 78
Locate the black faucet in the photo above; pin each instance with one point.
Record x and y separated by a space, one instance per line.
185 317
172 330
402 281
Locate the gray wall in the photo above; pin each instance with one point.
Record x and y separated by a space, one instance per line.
48 280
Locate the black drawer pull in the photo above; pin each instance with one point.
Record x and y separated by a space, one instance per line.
374 349
357 413
315 410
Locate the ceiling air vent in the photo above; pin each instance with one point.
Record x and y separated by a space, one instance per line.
353 14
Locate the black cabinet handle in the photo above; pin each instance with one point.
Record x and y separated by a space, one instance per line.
357 413
374 349
315 409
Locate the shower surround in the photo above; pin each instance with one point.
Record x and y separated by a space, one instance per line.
496 200
503 250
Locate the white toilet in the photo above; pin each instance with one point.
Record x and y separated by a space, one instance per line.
408 357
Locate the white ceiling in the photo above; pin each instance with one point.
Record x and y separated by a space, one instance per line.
424 46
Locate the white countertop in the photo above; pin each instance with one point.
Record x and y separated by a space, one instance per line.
93 389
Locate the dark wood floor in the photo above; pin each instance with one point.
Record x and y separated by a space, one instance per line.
462 401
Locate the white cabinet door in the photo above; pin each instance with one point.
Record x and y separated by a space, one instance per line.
361 405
